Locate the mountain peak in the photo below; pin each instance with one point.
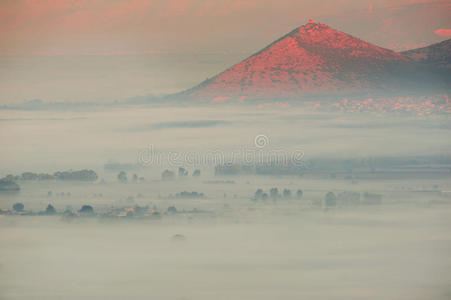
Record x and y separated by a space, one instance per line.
309 28
312 24
312 59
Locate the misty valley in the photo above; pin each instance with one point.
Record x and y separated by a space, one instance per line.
244 205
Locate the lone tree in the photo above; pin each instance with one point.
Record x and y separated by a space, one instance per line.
182 172
172 209
286 193
274 193
330 199
50 210
167 175
196 173
258 194
122 177
86 210
18 207
299 194
135 178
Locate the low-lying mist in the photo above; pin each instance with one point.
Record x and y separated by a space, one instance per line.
365 212
56 140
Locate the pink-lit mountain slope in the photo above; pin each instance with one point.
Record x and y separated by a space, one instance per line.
313 59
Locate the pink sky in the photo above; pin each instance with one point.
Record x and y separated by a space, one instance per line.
147 26
143 47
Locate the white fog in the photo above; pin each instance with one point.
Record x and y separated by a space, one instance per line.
225 244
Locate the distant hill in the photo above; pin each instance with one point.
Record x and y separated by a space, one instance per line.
438 55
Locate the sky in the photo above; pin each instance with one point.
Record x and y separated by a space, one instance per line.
148 26
228 29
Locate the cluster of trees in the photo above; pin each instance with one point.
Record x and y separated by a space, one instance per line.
81 175
279 169
85 210
88 211
173 210
62 194
274 194
123 177
7 184
351 198
182 173
330 199
232 169
189 195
